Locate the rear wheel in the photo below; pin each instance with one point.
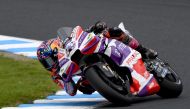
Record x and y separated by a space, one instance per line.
169 81
110 88
170 86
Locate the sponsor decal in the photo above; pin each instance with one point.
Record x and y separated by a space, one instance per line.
122 46
151 85
62 70
117 53
133 59
146 74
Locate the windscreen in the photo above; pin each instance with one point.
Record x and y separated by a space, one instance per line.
64 32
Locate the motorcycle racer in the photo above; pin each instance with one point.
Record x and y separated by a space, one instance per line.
51 54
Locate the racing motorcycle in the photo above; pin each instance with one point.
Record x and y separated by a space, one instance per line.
115 70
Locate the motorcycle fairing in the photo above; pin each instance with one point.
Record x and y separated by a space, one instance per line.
90 44
76 33
81 40
143 82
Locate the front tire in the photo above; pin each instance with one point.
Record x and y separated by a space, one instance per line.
93 76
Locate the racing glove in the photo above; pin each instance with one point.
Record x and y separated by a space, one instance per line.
70 88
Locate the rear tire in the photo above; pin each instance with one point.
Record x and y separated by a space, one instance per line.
93 76
171 86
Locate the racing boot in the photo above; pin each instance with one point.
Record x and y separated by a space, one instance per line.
147 53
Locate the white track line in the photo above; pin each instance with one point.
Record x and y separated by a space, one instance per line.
69 100
64 93
25 45
3 37
53 107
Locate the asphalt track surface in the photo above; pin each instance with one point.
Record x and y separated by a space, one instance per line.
163 25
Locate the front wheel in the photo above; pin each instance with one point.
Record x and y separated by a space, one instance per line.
111 91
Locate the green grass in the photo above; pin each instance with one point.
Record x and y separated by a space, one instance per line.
23 81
